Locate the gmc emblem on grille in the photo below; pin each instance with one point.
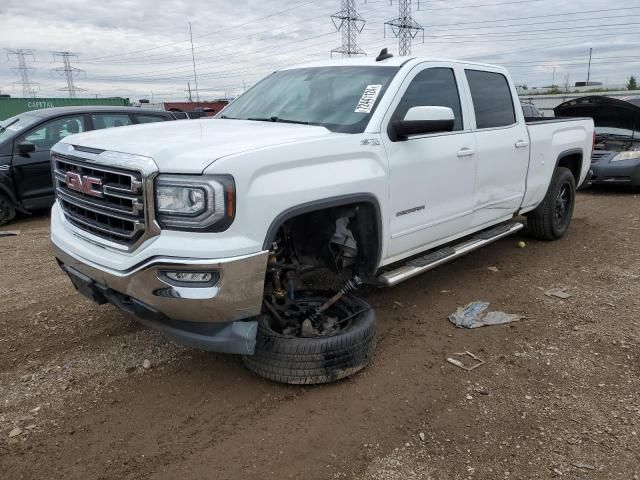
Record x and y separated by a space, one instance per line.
83 184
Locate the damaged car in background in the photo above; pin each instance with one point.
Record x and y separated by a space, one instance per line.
616 153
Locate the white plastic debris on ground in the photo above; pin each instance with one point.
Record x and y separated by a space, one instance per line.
475 315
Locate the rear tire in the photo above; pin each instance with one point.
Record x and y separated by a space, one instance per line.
323 359
7 210
551 219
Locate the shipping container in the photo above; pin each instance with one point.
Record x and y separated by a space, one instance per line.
13 106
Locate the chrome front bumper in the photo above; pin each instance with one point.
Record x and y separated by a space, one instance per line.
237 294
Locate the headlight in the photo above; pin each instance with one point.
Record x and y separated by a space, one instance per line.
632 155
205 202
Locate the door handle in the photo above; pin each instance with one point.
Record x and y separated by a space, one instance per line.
521 144
466 152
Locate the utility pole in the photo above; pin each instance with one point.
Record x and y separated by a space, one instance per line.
404 27
195 75
69 71
589 69
553 82
189 91
28 87
350 24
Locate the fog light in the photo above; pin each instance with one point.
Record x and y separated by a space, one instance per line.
193 279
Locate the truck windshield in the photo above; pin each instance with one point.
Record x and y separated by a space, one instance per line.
341 99
11 126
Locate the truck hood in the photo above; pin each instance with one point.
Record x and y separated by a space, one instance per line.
189 146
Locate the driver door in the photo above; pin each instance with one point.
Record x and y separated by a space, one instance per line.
432 176
32 171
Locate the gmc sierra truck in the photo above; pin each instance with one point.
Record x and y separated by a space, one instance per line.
248 233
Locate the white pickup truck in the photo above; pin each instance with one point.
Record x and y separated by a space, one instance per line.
219 232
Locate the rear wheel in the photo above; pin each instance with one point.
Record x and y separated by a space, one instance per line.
551 219
336 345
7 210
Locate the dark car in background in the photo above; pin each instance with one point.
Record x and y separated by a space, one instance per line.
616 153
26 182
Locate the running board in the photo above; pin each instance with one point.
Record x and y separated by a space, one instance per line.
434 259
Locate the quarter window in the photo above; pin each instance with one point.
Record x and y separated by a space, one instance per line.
433 87
492 100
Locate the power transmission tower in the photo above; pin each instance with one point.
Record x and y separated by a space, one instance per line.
69 71
28 87
350 24
404 27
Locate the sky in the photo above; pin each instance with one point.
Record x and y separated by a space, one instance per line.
141 48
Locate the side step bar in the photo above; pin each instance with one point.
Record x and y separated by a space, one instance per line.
434 259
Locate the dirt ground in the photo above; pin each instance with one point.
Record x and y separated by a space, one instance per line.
558 396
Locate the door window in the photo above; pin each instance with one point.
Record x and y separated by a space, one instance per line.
492 100
109 120
47 135
149 118
433 87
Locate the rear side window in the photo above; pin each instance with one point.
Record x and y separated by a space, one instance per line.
492 100
109 120
149 118
433 87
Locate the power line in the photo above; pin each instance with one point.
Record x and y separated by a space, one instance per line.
206 34
28 87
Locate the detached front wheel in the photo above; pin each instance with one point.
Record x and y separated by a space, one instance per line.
337 345
551 219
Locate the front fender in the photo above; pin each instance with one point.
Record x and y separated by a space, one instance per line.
272 184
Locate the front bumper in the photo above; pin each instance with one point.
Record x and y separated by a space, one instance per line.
616 173
236 295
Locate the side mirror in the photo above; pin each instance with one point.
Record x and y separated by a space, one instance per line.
26 147
421 120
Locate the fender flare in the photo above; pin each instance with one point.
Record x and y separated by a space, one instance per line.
325 203
567 153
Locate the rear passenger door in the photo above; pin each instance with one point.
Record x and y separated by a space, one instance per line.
432 176
502 140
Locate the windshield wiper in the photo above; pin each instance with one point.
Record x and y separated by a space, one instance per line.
276 119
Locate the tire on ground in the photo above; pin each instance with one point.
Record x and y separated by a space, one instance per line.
7 210
315 360
542 222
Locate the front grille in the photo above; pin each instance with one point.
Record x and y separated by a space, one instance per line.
107 202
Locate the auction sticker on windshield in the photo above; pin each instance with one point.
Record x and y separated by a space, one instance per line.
368 99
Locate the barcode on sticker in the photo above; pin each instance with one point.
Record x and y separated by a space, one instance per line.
368 99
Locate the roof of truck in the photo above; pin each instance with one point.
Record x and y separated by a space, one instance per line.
394 61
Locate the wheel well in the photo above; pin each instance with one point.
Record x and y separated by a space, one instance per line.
314 231
572 161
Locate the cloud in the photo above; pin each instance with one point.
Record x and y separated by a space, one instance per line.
133 48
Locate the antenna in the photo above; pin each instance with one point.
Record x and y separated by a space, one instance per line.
28 87
350 24
69 71
404 27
